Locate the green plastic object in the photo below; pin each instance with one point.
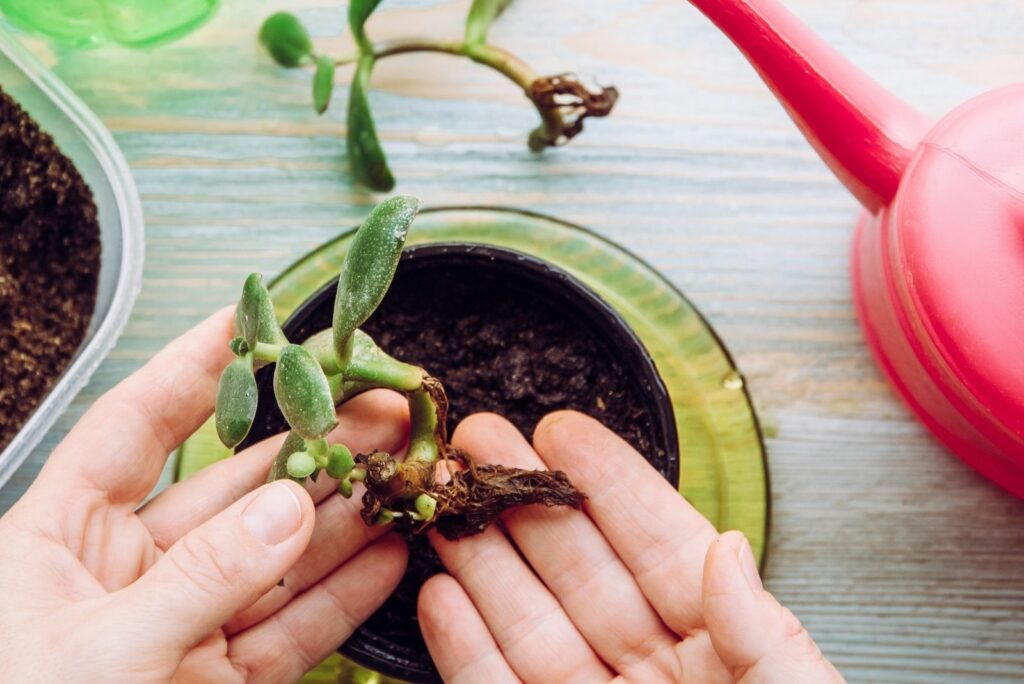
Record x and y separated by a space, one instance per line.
722 464
87 23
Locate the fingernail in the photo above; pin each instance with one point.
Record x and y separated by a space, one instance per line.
749 567
274 515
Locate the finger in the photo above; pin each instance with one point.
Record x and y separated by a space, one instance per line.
459 642
572 557
339 534
374 420
120 445
660 537
758 640
286 645
220 567
535 635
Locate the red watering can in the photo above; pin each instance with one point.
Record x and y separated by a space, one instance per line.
938 254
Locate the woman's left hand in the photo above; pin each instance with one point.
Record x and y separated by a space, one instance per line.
95 589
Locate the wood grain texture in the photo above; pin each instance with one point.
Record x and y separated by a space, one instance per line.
904 564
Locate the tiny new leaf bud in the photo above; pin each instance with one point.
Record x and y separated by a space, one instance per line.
238 346
286 39
323 83
301 464
303 393
236 401
292 444
345 488
339 461
385 517
426 506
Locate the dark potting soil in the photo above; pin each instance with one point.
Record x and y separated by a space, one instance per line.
49 264
496 346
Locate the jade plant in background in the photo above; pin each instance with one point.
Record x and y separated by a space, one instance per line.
310 380
561 100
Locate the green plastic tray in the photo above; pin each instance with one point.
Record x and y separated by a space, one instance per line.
722 467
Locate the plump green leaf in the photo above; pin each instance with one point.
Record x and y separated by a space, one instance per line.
358 12
481 15
286 39
292 443
236 401
255 320
323 83
365 154
303 393
321 346
369 267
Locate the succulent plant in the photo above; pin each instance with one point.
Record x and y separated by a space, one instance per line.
562 101
311 379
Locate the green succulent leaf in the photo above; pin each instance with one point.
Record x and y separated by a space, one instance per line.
286 39
236 401
339 461
303 393
365 153
370 266
358 12
323 83
255 320
321 346
293 443
481 15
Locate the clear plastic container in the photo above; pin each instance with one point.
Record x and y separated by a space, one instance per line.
85 140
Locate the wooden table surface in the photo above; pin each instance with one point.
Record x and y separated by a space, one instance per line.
904 564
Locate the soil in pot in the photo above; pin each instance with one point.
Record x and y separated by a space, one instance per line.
498 344
49 264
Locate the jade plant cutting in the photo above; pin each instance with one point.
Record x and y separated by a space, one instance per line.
562 101
310 380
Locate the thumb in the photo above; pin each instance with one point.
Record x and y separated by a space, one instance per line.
220 567
757 639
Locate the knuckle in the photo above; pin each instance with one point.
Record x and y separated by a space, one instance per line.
199 560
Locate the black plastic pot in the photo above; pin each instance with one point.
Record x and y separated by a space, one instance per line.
377 644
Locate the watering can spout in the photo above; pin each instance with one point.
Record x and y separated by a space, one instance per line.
865 134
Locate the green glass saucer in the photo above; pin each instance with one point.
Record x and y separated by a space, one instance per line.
722 459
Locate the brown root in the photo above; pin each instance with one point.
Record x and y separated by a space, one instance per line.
476 497
564 103
468 503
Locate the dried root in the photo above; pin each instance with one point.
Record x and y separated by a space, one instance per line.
466 504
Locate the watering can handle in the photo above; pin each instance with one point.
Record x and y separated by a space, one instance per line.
865 134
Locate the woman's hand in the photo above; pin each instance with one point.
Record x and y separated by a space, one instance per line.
95 589
639 587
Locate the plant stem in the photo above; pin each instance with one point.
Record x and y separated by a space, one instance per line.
384 371
423 444
266 352
502 61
